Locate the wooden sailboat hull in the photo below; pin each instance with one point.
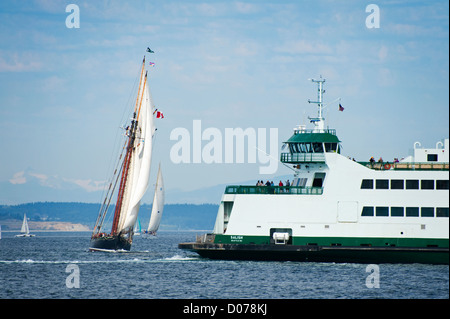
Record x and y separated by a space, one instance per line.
110 243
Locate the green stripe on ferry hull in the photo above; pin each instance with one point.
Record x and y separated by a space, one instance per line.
319 254
338 241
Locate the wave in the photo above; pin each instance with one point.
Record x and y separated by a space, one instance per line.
180 258
175 258
31 261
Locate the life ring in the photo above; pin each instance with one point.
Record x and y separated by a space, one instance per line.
387 166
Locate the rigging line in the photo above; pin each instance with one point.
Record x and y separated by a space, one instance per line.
110 197
110 193
142 97
140 81
276 159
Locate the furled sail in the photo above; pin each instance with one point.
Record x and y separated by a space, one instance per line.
158 204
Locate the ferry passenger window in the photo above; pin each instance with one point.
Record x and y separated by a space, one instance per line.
318 147
412 211
442 184
367 211
427 184
397 211
382 211
427 212
441 211
382 184
432 157
367 184
412 184
397 183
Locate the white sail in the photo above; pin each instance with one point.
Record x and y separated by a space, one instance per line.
158 204
25 228
139 171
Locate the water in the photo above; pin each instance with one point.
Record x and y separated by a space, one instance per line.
40 267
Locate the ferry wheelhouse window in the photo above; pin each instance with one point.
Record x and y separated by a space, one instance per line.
397 183
441 211
382 211
442 184
397 211
427 184
427 212
367 184
382 184
317 147
412 211
330 147
412 184
432 157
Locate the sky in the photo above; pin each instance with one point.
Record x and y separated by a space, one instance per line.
65 92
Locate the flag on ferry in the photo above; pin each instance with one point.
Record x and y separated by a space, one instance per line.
151 63
159 115
341 108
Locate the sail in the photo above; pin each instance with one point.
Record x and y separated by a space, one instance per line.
25 228
158 204
139 171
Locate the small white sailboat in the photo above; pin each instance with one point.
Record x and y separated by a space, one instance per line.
137 228
25 231
158 205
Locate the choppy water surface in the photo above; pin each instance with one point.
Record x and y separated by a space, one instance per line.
45 266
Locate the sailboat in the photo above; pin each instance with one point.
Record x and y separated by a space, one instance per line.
158 205
132 174
25 231
137 228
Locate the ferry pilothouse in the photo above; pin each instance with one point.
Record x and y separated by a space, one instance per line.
337 209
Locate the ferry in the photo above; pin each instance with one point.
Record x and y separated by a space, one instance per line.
337 209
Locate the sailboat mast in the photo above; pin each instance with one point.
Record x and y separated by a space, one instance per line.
129 152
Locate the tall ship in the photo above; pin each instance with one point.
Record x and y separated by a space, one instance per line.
131 176
336 209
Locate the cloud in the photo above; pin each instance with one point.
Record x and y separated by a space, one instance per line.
304 47
18 63
382 53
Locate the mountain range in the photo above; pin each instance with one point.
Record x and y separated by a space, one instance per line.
29 186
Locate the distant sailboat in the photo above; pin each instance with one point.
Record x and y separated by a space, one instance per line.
158 205
25 231
137 228
133 174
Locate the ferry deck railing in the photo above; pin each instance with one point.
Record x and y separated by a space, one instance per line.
274 190
407 166
302 158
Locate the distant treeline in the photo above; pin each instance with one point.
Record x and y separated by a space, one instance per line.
175 216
